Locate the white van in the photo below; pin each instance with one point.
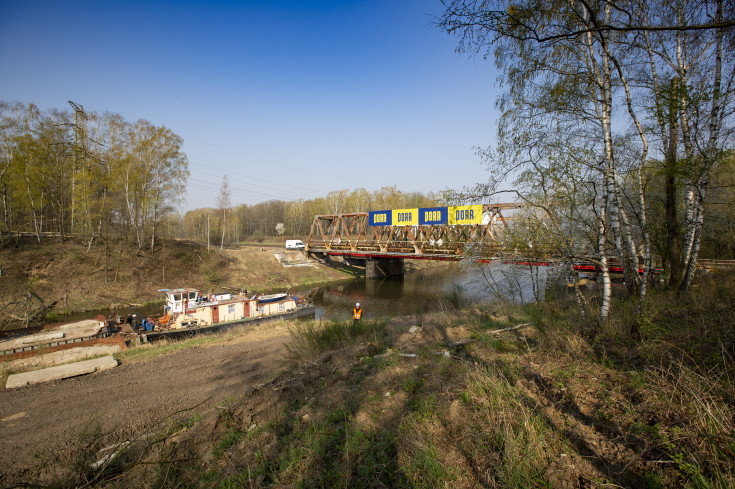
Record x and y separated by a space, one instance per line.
295 244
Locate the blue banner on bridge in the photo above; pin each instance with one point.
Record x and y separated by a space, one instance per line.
409 217
433 215
380 218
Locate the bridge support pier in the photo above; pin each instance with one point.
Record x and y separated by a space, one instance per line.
384 267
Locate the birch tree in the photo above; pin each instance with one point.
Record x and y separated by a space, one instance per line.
224 202
689 78
572 68
564 88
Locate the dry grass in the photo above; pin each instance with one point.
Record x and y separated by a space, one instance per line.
309 339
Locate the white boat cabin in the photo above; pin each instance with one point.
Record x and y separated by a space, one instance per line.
182 300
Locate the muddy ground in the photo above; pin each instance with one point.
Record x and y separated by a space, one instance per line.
40 425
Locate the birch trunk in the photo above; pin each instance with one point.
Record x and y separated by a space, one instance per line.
611 184
692 263
602 256
690 204
224 222
156 204
133 219
710 157
611 204
6 214
33 206
642 215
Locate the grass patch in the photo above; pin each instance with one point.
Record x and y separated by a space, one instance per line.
518 437
424 469
309 338
141 353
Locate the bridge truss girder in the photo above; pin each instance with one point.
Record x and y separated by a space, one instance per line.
351 232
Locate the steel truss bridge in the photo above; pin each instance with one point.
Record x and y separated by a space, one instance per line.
348 238
350 234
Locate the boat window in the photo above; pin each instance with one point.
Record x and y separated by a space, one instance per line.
192 295
177 297
231 309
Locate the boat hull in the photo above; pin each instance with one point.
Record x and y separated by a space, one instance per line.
219 327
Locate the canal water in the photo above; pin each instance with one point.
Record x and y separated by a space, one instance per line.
428 289
417 292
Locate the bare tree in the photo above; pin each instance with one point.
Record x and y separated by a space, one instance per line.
224 203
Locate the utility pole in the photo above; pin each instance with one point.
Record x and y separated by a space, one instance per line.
80 139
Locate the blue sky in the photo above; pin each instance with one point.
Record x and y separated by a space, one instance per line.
289 99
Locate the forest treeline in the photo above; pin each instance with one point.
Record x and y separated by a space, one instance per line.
69 172
73 172
254 221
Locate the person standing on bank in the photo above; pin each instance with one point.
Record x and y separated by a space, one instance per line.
356 314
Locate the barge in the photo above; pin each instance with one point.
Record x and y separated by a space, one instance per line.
190 311
187 312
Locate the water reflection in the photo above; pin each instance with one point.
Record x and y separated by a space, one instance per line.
416 292
427 290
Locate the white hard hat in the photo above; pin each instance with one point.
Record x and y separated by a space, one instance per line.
357 305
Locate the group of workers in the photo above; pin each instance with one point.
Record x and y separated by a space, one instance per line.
148 323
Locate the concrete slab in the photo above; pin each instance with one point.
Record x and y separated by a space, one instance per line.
61 372
44 360
86 327
40 338
77 329
292 258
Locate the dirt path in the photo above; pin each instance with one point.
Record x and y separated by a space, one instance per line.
40 425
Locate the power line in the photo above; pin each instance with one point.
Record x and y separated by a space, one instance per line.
246 194
260 179
240 186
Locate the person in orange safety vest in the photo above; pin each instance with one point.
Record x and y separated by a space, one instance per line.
356 313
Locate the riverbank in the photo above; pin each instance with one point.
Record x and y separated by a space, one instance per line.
54 279
491 395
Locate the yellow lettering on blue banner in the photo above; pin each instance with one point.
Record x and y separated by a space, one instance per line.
465 214
380 218
433 215
405 217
